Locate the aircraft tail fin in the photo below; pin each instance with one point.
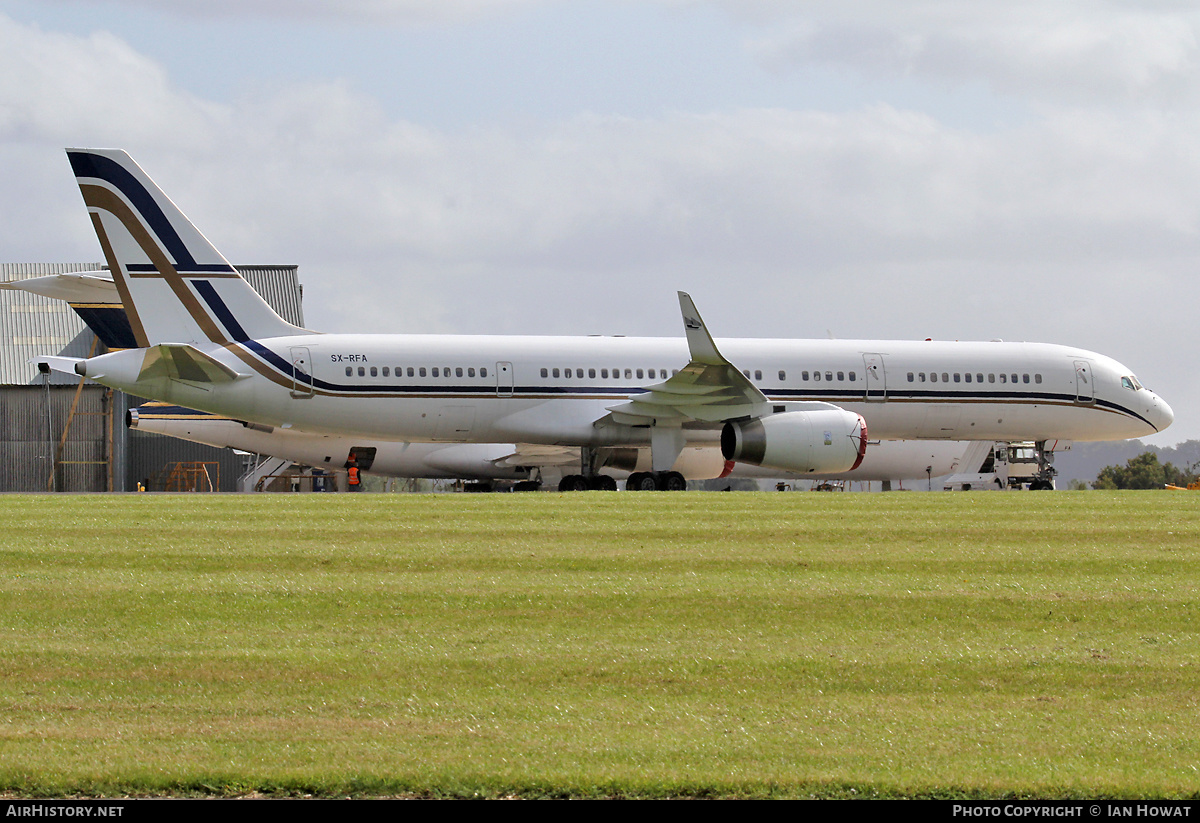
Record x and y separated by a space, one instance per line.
176 286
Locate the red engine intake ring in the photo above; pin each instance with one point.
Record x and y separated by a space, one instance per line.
862 443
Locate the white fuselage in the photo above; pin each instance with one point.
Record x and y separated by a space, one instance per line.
557 390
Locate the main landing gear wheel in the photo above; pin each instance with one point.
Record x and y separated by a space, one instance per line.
579 483
656 481
573 483
641 482
672 482
602 483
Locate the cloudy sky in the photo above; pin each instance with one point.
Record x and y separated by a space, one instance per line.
1009 169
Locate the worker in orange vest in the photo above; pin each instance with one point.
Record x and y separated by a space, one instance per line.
353 476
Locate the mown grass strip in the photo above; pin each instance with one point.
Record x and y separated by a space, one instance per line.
601 645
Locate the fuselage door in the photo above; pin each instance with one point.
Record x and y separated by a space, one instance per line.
1085 386
875 384
504 379
302 381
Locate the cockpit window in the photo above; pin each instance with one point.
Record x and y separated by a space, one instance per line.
1130 382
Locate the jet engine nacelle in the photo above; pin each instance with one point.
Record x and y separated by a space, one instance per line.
808 442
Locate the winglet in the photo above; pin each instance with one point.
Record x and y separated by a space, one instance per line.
709 388
700 342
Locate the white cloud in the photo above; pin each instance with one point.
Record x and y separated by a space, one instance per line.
93 89
1067 51
338 11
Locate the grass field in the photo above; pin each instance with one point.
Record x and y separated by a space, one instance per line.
947 645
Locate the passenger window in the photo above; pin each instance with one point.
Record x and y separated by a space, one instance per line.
946 377
629 374
1025 378
374 372
758 374
555 372
782 375
591 373
435 371
349 371
992 377
968 377
604 373
842 376
921 377
956 380
816 377
470 371
579 373
978 377
483 372
458 371
362 372
828 375
1037 378
386 371
911 377
933 377
1003 378
804 376
852 377
421 371
1014 378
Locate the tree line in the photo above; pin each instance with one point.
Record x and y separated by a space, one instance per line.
1144 472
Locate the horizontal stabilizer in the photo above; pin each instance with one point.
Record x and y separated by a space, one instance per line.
179 361
66 365
77 287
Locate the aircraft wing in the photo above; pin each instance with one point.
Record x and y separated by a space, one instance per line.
709 388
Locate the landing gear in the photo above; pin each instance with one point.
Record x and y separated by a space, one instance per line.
579 483
656 481
641 482
590 480
1044 479
602 483
573 483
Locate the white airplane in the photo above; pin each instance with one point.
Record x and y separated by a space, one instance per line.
94 297
208 341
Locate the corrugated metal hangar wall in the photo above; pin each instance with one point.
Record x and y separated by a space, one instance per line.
62 434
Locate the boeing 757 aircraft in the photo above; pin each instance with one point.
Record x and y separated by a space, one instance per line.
207 341
94 297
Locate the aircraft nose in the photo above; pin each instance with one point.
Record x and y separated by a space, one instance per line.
1160 414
